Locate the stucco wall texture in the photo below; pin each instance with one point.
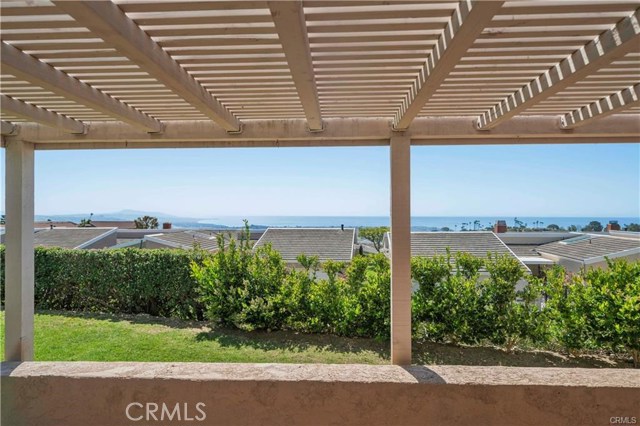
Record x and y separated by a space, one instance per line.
83 393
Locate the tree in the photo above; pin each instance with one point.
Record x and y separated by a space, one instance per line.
633 227
553 227
445 229
3 222
86 223
572 228
375 235
518 224
146 222
593 226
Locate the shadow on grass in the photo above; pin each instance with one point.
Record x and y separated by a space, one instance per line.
286 341
130 318
439 353
424 353
293 342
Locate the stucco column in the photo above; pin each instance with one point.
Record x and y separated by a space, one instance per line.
400 250
19 268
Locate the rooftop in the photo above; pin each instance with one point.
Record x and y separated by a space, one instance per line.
326 243
476 243
121 224
186 240
591 247
72 238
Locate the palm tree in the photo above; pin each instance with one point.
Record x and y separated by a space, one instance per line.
86 223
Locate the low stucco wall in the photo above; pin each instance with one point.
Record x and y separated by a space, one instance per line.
96 394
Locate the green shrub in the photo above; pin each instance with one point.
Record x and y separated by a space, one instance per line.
444 306
568 308
597 308
367 298
254 290
241 287
453 303
616 306
155 282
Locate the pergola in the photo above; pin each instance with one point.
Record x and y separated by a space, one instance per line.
138 74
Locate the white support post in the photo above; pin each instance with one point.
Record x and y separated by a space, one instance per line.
400 250
19 263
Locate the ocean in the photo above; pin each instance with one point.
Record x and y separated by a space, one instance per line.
418 223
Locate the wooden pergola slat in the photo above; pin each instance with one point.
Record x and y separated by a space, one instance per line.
27 68
40 115
466 24
290 23
603 107
609 46
106 20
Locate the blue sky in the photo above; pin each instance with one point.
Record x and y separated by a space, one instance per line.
534 180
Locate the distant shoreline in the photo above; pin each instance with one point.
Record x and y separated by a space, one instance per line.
419 223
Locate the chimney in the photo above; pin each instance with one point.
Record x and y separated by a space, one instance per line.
342 227
613 226
166 225
500 227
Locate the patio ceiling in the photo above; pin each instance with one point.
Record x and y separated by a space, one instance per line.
234 67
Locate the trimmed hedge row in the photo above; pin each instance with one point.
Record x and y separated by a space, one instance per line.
133 281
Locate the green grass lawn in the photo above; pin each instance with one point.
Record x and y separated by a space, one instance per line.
66 336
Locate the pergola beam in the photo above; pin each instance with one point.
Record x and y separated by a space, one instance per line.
107 21
608 105
466 24
8 128
40 115
289 19
604 49
338 132
28 68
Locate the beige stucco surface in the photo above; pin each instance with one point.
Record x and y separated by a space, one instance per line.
284 394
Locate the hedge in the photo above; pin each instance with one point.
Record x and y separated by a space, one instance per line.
132 281
593 309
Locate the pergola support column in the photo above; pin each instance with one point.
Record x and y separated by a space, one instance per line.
19 254
400 249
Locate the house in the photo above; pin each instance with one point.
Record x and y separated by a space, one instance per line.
525 244
476 243
326 243
186 240
590 250
75 238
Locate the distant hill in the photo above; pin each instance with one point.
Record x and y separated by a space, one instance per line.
119 215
